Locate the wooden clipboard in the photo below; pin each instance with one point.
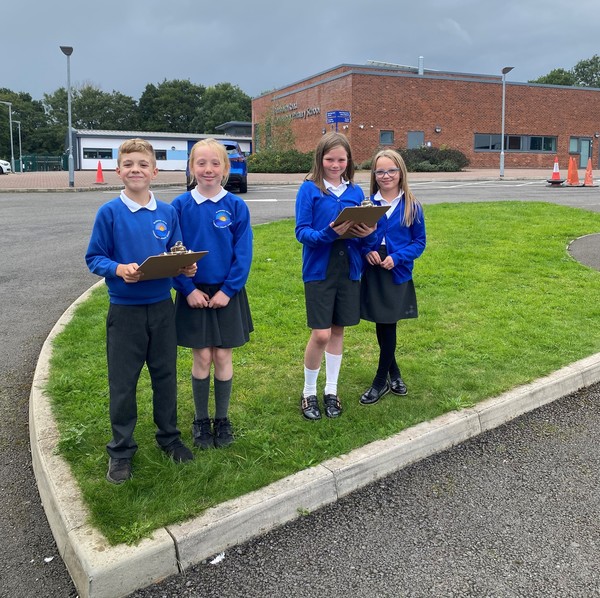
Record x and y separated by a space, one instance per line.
166 265
368 215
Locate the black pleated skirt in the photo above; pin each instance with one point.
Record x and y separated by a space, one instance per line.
226 327
383 301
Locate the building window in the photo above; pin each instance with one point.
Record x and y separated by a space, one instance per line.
160 154
92 153
515 143
415 139
386 137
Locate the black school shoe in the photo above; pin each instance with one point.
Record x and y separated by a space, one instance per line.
310 407
119 470
398 387
333 407
202 433
222 432
178 452
372 395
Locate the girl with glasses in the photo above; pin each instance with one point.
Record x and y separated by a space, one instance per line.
387 289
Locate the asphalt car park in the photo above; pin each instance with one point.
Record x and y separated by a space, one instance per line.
512 513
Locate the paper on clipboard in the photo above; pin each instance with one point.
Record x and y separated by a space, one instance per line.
166 265
368 215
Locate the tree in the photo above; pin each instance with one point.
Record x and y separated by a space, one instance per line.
96 109
170 106
31 114
222 103
587 72
557 77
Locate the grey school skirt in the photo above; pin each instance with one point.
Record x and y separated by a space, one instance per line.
383 301
226 327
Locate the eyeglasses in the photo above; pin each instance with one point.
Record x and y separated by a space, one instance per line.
392 172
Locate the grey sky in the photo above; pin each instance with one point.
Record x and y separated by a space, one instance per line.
264 44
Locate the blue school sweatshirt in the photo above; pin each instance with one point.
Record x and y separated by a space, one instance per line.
120 236
315 211
223 229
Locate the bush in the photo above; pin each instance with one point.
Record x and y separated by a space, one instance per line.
288 161
434 159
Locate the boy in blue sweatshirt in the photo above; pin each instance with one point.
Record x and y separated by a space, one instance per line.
140 326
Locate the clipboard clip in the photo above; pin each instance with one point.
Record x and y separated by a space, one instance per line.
366 203
178 248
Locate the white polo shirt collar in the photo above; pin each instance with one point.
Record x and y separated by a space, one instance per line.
134 206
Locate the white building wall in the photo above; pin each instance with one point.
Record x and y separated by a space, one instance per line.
175 146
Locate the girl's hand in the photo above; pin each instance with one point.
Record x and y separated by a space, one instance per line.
129 272
362 230
219 299
197 299
388 263
373 258
189 271
342 228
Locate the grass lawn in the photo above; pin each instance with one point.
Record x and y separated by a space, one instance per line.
501 303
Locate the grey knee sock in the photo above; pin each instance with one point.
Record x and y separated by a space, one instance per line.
222 396
200 392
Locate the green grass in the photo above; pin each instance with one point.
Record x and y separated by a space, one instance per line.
501 303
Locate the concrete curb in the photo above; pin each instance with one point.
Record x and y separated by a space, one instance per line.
103 571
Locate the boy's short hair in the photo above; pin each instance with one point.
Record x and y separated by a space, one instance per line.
219 149
136 145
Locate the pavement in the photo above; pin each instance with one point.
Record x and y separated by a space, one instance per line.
102 571
85 180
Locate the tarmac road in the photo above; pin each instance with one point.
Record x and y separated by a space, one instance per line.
511 513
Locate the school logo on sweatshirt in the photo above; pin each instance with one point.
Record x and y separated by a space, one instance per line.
222 219
161 230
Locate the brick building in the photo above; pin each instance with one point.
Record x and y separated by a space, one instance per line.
400 106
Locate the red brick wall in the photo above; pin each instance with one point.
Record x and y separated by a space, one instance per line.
420 103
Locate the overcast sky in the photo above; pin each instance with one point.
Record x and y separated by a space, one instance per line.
260 45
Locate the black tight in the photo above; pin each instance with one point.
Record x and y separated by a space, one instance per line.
386 337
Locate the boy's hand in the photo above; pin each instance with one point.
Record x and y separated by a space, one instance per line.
129 272
197 299
189 271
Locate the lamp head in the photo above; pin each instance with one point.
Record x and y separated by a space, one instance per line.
507 69
66 50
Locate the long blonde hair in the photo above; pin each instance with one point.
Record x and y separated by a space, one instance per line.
412 206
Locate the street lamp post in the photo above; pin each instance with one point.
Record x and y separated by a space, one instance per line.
505 70
18 122
67 51
12 150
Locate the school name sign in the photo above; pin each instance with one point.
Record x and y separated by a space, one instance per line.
290 111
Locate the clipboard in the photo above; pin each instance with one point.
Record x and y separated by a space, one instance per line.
166 265
368 215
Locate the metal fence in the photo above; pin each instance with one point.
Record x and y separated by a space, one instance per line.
38 163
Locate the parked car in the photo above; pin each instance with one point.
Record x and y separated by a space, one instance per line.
238 175
5 167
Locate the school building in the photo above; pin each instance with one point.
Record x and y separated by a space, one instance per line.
381 104
171 149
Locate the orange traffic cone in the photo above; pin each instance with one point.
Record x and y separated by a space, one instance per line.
573 175
555 178
99 175
589 177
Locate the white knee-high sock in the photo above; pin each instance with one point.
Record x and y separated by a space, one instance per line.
333 363
310 382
